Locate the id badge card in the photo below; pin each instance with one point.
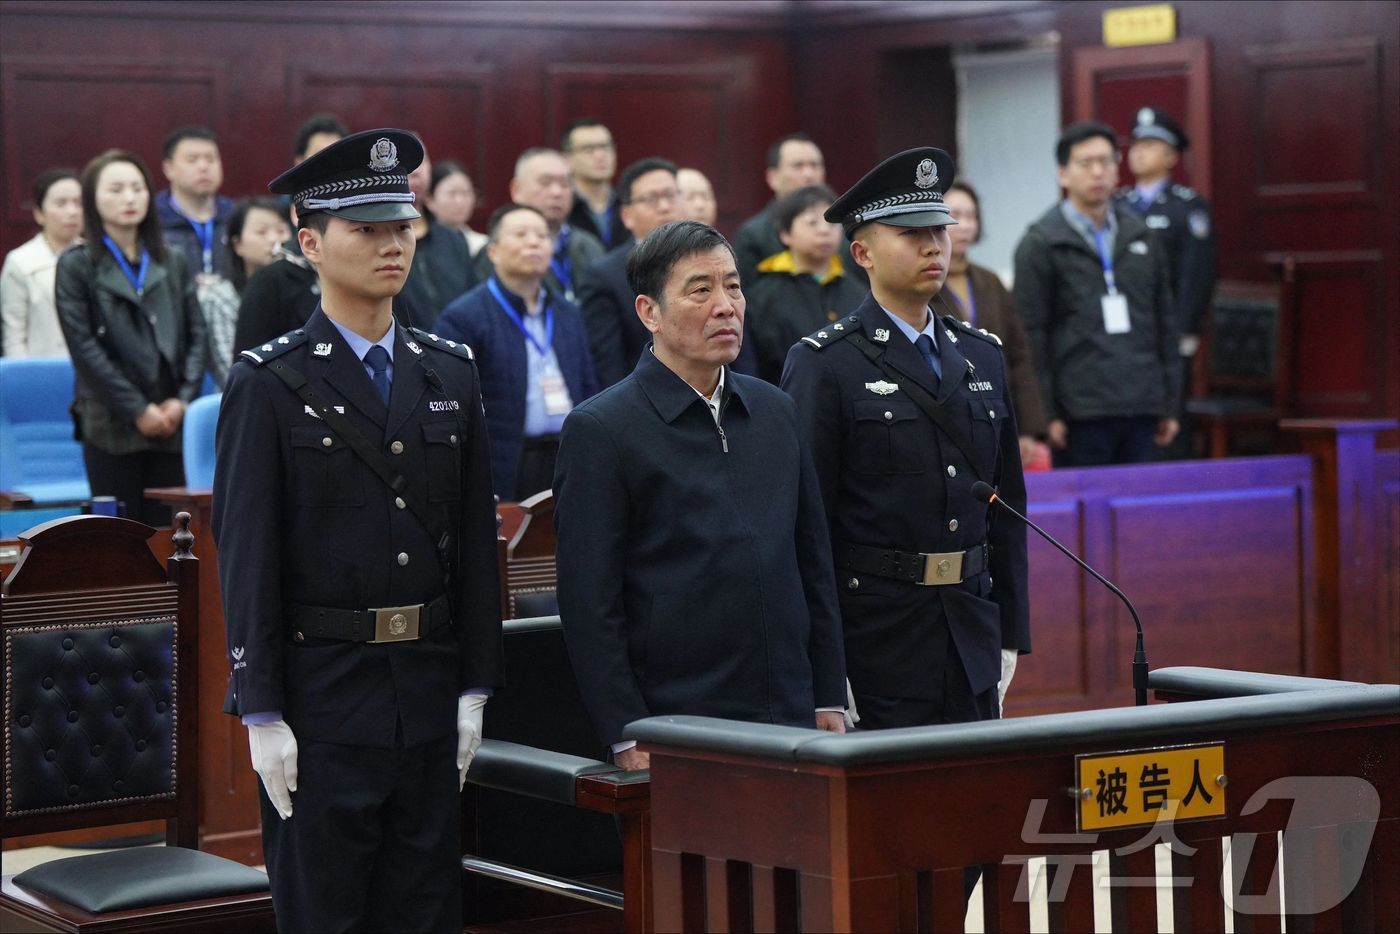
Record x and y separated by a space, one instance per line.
556 394
1115 314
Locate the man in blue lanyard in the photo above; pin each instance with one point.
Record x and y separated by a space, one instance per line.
541 182
193 215
531 348
1093 288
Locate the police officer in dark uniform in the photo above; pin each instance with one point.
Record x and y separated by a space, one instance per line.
1185 229
905 411
357 556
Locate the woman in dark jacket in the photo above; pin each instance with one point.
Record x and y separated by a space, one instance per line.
976 295
130 314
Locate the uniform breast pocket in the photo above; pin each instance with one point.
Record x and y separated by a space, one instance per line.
443 444
885 437
986 424
326 470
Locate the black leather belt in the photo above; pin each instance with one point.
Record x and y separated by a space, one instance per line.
925 570
385 624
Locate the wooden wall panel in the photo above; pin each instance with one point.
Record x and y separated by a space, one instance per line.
691 112
39 95
1315 133
702 83
1201 564
1057 593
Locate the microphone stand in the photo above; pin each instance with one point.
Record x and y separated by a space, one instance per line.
1140 652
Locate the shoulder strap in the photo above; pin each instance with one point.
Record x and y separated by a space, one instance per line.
368 452
926 403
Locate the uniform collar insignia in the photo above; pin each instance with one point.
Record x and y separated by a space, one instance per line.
882 334
322 350
881 387
413 347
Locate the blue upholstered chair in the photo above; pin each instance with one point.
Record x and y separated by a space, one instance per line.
41 466
38 455
201 418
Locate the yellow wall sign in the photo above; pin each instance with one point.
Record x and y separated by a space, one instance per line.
1134 789
1139 25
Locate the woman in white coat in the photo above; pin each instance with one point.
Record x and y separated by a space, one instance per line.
27 278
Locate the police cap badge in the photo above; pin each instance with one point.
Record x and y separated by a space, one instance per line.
362 177
906 190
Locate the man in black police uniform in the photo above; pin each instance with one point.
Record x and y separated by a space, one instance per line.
356 532
1185 229
905 411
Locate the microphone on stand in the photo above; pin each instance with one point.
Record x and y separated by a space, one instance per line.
985 493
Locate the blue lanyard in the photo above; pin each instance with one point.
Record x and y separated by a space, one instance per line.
1106 257
137 279
559 263
511 313
204 230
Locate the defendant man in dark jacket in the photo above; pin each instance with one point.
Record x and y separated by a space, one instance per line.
695 571
1093 289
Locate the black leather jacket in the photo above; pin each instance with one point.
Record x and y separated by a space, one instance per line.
128 350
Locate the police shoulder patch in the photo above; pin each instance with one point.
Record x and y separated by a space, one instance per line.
274 348
428 339
963 327
1184 193
831 333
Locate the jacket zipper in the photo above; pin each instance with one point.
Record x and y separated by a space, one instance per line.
723 438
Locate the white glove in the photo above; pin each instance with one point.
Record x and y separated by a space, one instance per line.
851 714
274 751
1008 669
469 713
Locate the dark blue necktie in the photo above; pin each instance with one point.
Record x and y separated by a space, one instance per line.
377 358
925 345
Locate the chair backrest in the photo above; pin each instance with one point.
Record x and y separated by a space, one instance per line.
541 707
201 420
40 456
1246 340
530 578
101 680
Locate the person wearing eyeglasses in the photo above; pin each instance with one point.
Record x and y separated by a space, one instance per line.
592 156
648 196
1093 289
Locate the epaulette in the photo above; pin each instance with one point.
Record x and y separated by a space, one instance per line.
442 343
1185 193
274 348
955 322
831 333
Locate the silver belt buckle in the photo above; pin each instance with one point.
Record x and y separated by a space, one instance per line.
942 569
396 623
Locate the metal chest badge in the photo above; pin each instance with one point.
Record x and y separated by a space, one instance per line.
881 387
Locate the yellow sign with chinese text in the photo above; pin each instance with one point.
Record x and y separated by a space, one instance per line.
1139 25
1141 788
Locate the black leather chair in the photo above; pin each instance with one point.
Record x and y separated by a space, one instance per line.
542 809
101 707
1246 368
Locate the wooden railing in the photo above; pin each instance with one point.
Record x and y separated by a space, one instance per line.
763 828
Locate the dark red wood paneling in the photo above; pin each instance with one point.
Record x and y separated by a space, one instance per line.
702 83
